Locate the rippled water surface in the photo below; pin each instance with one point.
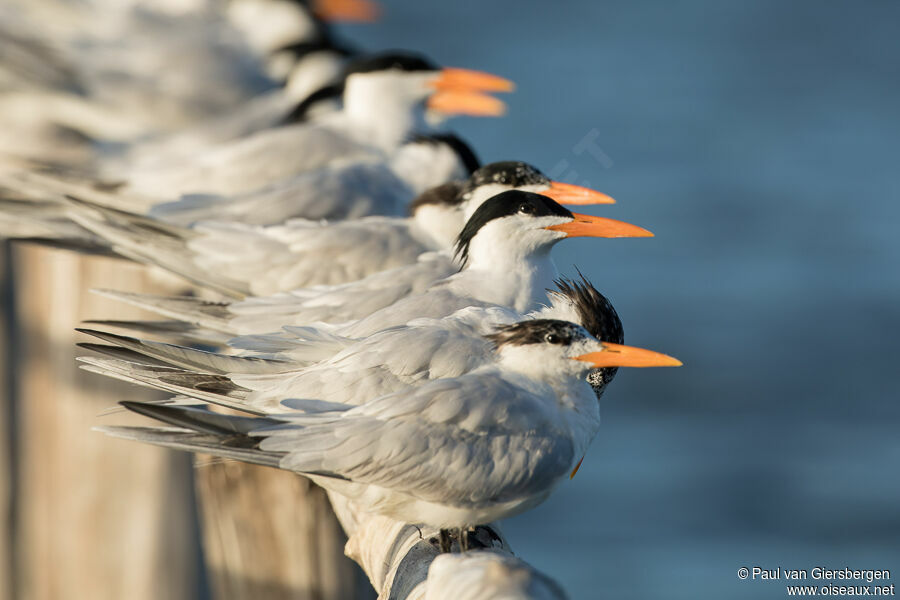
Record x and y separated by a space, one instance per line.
760 141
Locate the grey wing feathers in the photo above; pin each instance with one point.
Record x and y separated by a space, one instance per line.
215 389
303 345
123 354
193 359
204 313
35 62
200 419
355 371
150 241
433 443
45 222
180 439
201 430
61 191
174 331
293 252
343 302
388 362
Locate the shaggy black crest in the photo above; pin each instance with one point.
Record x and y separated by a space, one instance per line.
465 153
503 205
537 331
595 311
447 194
598 316
392 60
508 172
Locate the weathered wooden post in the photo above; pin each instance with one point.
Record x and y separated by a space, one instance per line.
6 394
272 535
96 519
266 534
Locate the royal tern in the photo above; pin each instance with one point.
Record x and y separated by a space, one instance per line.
225 256
385 100
288 171
386 362
504 248
348 190
451 454
114 98
161 69
283 30
505 252
301 54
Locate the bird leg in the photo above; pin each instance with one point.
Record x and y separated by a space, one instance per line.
445 541
464 539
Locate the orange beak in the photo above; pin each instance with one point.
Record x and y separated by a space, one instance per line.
465 79
474 104
617 355
575 470
566 193
463 92
591 226
351 11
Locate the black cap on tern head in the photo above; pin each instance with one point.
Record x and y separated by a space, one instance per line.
327 93
447 194
503 205
463 150
370 63
399 60
537 331
513 173
323 40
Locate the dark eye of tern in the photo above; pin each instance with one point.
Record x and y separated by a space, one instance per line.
506 204
552 338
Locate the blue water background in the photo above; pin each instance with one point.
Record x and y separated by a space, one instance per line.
760 141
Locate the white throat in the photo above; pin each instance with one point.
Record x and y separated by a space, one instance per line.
383 110
512 279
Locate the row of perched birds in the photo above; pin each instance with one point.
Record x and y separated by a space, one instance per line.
379 311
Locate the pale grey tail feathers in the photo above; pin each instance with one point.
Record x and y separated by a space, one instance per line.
196 429
211 388
173 331
208 314
192 358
